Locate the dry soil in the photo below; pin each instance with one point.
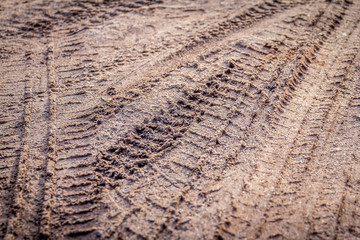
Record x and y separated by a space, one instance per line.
179 119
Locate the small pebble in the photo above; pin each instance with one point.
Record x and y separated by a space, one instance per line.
98 234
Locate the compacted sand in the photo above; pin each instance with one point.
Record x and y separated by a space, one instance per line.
180 119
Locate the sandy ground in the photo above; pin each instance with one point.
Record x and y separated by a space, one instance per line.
179 119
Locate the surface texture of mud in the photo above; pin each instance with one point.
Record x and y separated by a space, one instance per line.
179 119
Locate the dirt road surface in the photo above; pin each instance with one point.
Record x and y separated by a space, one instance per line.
180 119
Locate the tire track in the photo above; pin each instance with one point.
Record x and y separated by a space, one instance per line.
73 189
210 36
166 169
11 130
49 186
29 172
153 138
81 220
348 118
245 186
161 56
39 18
275 225
22 219
302 166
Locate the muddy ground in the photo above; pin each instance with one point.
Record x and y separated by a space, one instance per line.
180 119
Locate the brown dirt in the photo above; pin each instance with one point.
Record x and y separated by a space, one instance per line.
180 119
